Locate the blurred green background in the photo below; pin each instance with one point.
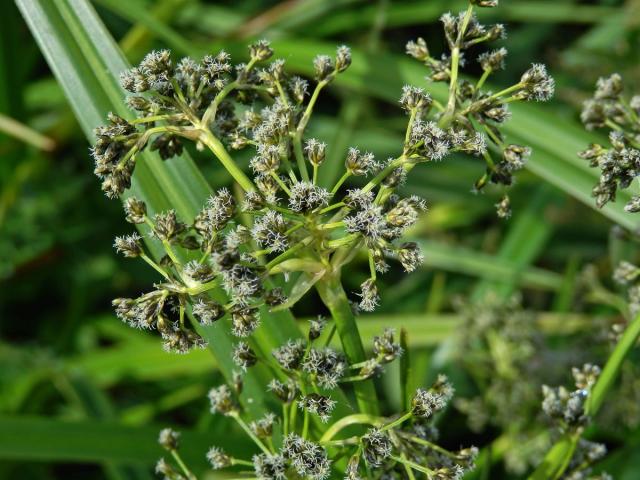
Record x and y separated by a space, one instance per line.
82 396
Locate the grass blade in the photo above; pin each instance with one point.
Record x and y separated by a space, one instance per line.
402 14
30 438
470 262
136 12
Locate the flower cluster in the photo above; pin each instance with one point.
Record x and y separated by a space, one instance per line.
619 163
283 226
396 444
291 212
224 261
472 114
566 409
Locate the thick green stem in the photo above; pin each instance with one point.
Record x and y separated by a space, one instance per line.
156 267
182 465
334 297
227 162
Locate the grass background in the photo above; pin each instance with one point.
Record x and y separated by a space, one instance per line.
82 396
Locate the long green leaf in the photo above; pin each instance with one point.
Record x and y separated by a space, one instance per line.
144 361
137 12
46 439
96 406
428 330
463 260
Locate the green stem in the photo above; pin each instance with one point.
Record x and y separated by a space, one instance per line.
612 367
355 378
182 465
332 332
396 422
297 137
294 416
384 173
483 78
432 446
155 118
407 134
372 266
286 255
285 419
171 253
337 186
414 465
331 207
283 95
334 297
228 163
408 468
204 287
504 92
339 242
165 243
343 443
330 226
155 266
493 136
305 424
279 181
455 63
249 432
344 422
297 150
211 111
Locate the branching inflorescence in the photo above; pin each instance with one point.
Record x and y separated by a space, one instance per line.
225 261
619 163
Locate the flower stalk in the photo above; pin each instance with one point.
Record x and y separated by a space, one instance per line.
333 296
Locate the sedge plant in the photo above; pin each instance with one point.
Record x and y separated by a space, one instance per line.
278 233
